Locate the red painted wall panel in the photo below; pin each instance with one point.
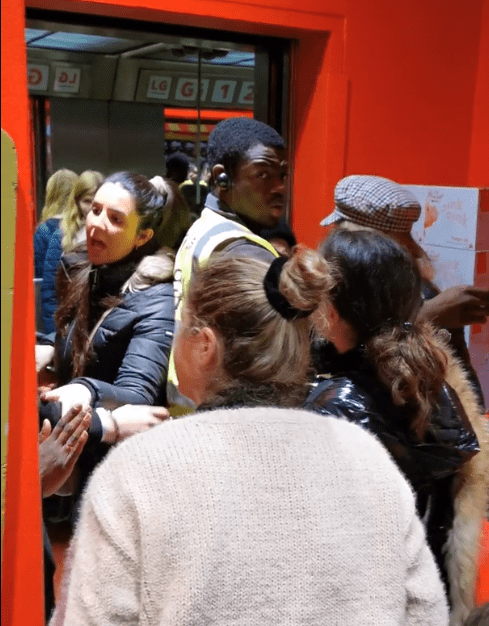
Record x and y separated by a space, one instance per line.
412 67
479 155
22 589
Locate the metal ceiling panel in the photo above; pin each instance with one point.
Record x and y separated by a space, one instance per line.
77 42
34 33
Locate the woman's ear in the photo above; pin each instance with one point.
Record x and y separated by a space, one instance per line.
144 236
208 350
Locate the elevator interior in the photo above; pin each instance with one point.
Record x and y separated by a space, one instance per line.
122 95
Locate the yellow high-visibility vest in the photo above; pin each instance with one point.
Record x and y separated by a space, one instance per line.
210 233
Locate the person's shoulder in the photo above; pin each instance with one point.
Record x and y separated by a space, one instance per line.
244 247
47 227
340 390
175 445
274 418
151 298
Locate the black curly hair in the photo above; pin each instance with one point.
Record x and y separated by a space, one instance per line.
231 139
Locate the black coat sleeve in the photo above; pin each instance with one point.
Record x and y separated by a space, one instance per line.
141 376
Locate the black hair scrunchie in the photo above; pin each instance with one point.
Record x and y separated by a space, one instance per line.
276 299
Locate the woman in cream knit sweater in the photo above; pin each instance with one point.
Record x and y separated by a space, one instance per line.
249 514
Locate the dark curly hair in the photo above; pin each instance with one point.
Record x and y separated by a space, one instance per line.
177 166
231 139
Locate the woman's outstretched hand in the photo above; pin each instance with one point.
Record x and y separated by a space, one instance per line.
60 447
69 396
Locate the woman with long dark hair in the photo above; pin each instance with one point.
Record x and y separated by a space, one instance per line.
395 376
115 319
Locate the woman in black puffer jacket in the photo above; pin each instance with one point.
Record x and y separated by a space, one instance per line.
394 376
115 320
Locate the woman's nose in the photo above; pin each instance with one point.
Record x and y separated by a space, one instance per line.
96 221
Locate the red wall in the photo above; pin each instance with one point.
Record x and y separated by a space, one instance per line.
22 591
412 71
398 89
479 155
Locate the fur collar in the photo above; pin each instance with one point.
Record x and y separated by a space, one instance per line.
133 273
471 499
151 270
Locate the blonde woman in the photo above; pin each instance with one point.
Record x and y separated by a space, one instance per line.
58 190
69 235
78 207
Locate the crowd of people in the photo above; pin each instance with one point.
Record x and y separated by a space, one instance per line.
306 441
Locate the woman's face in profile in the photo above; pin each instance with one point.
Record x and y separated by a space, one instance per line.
84 204
185 345
112 225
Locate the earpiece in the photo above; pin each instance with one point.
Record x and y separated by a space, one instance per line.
222 181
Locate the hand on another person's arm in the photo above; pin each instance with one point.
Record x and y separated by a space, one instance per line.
456 307
69 396
60 448
44 356
128 420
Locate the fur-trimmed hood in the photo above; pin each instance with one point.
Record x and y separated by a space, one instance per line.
153 269
471 500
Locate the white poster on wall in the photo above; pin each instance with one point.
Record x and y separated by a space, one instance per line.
449 216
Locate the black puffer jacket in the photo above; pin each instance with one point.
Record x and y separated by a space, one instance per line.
131 345
132 348
354 393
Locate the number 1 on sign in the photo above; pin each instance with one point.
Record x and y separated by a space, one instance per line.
224 91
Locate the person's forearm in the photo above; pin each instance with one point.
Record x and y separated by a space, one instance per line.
429 311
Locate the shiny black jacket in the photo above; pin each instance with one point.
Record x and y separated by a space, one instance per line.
353 392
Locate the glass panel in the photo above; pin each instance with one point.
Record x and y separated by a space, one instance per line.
30 34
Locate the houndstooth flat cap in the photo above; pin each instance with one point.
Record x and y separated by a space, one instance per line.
375 202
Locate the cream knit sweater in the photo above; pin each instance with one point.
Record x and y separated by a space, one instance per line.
250 517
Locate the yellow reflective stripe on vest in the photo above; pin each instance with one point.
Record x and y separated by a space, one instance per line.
210 232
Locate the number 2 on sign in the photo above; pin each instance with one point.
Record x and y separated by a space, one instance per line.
246 95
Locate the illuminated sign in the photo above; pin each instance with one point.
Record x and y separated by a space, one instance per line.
37 77
67 79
